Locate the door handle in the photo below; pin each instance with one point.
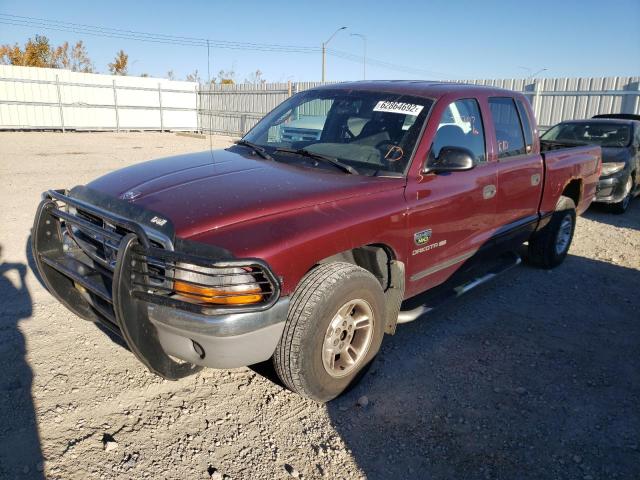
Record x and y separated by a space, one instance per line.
489 191
535 179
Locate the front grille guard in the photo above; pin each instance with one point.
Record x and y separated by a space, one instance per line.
117 297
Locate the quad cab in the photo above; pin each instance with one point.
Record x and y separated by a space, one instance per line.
307 247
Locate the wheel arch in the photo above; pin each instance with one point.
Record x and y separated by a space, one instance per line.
573 190
375 258
381 261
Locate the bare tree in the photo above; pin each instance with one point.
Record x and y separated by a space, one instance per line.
194 77
171 75
120 64
80 61
227 77
255 78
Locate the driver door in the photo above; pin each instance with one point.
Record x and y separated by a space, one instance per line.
450 214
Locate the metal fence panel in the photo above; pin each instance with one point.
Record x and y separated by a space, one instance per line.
234 109
47 98
573 98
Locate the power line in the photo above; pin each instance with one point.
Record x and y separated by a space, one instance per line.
145 36
383 64
159 38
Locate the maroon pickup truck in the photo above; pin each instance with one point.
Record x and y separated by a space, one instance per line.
306 245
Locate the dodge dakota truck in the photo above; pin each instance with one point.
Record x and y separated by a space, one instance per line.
306 250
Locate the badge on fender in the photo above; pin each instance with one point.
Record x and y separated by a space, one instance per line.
422 237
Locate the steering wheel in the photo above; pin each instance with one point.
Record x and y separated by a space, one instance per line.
393 153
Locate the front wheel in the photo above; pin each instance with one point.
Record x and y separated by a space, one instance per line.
334 329
549 247
623 204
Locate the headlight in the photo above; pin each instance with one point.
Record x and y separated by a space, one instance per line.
609 168
224 286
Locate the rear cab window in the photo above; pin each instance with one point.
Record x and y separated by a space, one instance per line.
508 128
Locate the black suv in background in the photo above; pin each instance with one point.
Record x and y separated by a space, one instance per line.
619 137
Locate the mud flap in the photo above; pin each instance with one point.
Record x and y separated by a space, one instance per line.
131 314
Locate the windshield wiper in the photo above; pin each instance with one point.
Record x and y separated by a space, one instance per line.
318 156
258 150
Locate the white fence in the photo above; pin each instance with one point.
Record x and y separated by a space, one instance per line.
47 98
44 98
234 109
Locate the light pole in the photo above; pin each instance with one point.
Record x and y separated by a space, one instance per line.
324 50
364 54
533 75
539 72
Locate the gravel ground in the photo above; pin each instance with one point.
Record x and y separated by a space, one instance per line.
536 375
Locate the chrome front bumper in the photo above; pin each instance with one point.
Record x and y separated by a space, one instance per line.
220 341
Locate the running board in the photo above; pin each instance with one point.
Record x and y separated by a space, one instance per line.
405 316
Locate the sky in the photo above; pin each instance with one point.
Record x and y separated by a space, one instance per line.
444 39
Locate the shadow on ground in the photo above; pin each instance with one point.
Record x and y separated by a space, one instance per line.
20 452
599 212
34 270
513 381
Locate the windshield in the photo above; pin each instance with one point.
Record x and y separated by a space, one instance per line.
603 134
373 132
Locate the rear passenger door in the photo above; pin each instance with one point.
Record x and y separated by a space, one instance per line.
520 169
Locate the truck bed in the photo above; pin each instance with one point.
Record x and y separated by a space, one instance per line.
563 165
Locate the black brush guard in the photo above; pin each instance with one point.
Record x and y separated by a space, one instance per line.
115 294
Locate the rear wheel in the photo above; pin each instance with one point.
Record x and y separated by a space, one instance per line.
334 329
549 247
623 205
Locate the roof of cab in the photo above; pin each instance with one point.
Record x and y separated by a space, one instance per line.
420 88
611 121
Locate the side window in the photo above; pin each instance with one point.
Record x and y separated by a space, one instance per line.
460 126
526 125
507 126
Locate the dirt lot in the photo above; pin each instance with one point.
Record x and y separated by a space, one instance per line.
536 375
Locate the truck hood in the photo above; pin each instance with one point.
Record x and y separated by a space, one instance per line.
211 190
616 154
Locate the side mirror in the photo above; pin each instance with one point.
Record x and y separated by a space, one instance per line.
450 159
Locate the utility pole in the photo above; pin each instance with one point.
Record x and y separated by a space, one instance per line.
208 65
364 54
324 51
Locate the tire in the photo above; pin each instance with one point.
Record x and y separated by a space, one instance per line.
549 247
302 359
622 206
